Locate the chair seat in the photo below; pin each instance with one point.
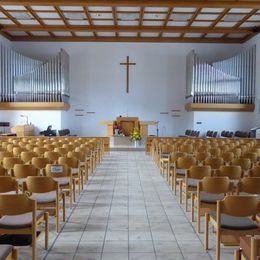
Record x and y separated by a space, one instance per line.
74 171
46 197
63 181
180 171
5 250
193 182
211 198
19 221
235 223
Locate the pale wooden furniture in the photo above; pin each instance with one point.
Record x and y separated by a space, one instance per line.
229 228
23 130
20 216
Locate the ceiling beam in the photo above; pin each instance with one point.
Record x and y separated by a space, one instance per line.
148 3
127 39
111 28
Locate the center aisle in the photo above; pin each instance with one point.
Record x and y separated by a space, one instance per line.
127 211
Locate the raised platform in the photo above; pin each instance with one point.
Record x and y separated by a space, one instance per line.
123 143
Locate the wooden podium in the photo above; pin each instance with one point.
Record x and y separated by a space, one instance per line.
128 124
23 130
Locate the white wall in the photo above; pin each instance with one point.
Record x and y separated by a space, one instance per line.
157 82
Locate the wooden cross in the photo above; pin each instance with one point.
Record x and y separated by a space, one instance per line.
127 64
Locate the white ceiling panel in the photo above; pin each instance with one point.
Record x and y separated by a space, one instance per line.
156 9
212 10
175 23
71 8
180 17
2 15
154 16
53 22
240 10
75 16
101 15
128 9
149 34
42 8
254 18
214 35
21 15
175 35
100 8
233 17
78 22
184 9
236 35
153 23
128 23
29 22
6 21
86 34
128 16
62 33
225 24
207 16
48 15
103 22
106 34
201 24
192 35
13 7
18 33
40 33
128 34
250 24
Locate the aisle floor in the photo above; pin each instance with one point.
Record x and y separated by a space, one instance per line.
127 211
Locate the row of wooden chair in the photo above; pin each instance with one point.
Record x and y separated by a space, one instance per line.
211 183
39 179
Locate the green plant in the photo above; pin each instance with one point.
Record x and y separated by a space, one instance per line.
136 135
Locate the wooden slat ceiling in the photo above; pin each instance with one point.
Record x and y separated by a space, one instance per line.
223 21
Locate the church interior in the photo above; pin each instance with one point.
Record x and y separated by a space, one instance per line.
129 129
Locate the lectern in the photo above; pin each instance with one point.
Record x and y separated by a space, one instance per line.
23 130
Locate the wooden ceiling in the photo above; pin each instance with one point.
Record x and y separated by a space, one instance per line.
222 21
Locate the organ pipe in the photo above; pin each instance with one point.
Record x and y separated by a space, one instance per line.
227 81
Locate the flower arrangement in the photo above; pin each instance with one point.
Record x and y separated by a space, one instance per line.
136 135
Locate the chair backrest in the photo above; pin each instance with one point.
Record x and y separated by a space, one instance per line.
215 152
201 156
79 155
27 156
40 162
49 147
41 184
231 205
40 150
2 171
255 171
245 163
24 170
8 184
251 155
71 162
18 150
233 172
16 204
5 154
249 185
216 185
199 172
57 170
215 162
228 156
185 162
61 150
52 156
9 162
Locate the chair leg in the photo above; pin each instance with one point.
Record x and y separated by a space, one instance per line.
57 216
74 190
206 241
34 248
46 218
192 207
63 206
237 254
218 245
180 190
186 199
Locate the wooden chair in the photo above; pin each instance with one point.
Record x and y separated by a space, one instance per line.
49 147
215 152
245 164
76 173
8 252
52 156
40 151
82 163
62 174
255 171
232 221
2 171
249 185
214 163
192 177
40 163
20 216
209 191
9 163
27 156
181 166
18 150
201 157
45 190
88 157
8 185
62 151
5 154
22 171
228 157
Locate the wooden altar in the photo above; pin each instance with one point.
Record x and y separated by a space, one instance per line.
128 124
23 130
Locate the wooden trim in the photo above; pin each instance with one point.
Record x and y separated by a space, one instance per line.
124 28
148 3
34 106
126 39
220 107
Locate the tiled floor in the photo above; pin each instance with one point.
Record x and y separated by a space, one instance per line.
127 211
